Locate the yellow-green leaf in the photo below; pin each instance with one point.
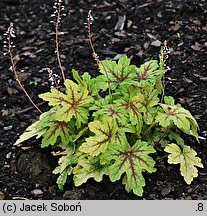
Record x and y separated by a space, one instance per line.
30 132
148 71
38 128
74 104
116 74
54 97
181 117
132 161
187 159
61 180
88 168
104 132
55 130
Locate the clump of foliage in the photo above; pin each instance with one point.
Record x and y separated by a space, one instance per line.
113 124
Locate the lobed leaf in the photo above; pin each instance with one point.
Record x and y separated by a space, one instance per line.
104 131
132 161
88 168
187 159
116 74
61 180
92 85
74 104
30 132
181 117
55 130
131 110
113 111
38 128
54 97
145 102
148 71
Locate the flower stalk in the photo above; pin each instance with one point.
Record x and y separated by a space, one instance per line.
11 34
95 55
59 8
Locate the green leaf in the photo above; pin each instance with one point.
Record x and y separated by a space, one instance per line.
92 85
56 129
131 110
169 100
113 111
30 132
187 159
145 102
132 161
128 90
147 99
61 180
68 157
88 168
177 138
74 104
54 97
116 74
180 117
104 131
148 71
38 128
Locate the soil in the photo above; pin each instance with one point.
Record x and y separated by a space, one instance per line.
25 171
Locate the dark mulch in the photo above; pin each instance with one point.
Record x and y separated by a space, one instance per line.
148 22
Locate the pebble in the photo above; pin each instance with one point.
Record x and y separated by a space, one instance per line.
74 194
10 82
156 43
146 45
6 128
8 155
2 196
37 192
117 57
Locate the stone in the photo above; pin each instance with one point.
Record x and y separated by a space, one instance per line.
2 196
156 43
37 192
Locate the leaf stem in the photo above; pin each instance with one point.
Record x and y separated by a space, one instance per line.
81 133
148 130
165 133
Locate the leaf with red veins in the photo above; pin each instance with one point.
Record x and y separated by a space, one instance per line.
38 128
104 132
132 161
113 111
91 84
134 114
56 129
74 104
148 71
88 168
54 97
116 73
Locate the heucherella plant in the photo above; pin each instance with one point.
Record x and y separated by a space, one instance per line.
114 123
